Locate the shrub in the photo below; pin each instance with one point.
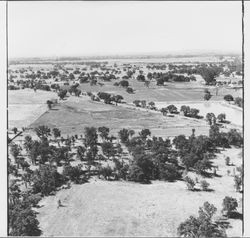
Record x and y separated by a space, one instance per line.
106 172
169 172
228 97
190 183
203 225
135 174
227 161
229 205
237 182
204 185
74 173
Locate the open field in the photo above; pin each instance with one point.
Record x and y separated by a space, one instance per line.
101 208
74 114
25 106
170 92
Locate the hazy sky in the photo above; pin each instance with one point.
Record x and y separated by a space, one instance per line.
98 28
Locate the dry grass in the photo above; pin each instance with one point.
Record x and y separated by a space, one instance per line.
101 208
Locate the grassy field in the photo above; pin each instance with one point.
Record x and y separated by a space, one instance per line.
102 208
171 92
74 114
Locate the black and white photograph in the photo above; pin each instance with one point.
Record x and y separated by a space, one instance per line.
125 119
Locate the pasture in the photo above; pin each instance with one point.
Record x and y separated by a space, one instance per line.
74 114
102 208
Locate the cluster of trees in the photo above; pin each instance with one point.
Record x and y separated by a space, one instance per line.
74 89
109 98
190 112
211 118
161 78
143 104
156 66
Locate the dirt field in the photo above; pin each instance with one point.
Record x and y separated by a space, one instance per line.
101 208
76 113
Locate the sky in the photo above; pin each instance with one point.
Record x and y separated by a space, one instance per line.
83 28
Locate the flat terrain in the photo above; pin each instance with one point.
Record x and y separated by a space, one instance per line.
74 114
102 208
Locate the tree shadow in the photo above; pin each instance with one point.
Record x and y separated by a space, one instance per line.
208 190
236 215
224 224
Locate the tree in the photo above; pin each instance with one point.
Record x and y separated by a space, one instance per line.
227 161
129 90
238 182
81 152
106 172
194 112
14 130
124 83
49 104
190 183
214 133
90 136
137 103
108 149
135 174
143 103
202 165
15 150
238 101
123 135
104 132
117 99
141 78
228 98
207 95
164 111
151 105
23 221
209 74
144 133
235 138
45 180
210 117
229 205
168 172
42 131
185 110
56 132
62 94
203 225
74 173
204 185
131 133
172 109
146 83
221 117
106 97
